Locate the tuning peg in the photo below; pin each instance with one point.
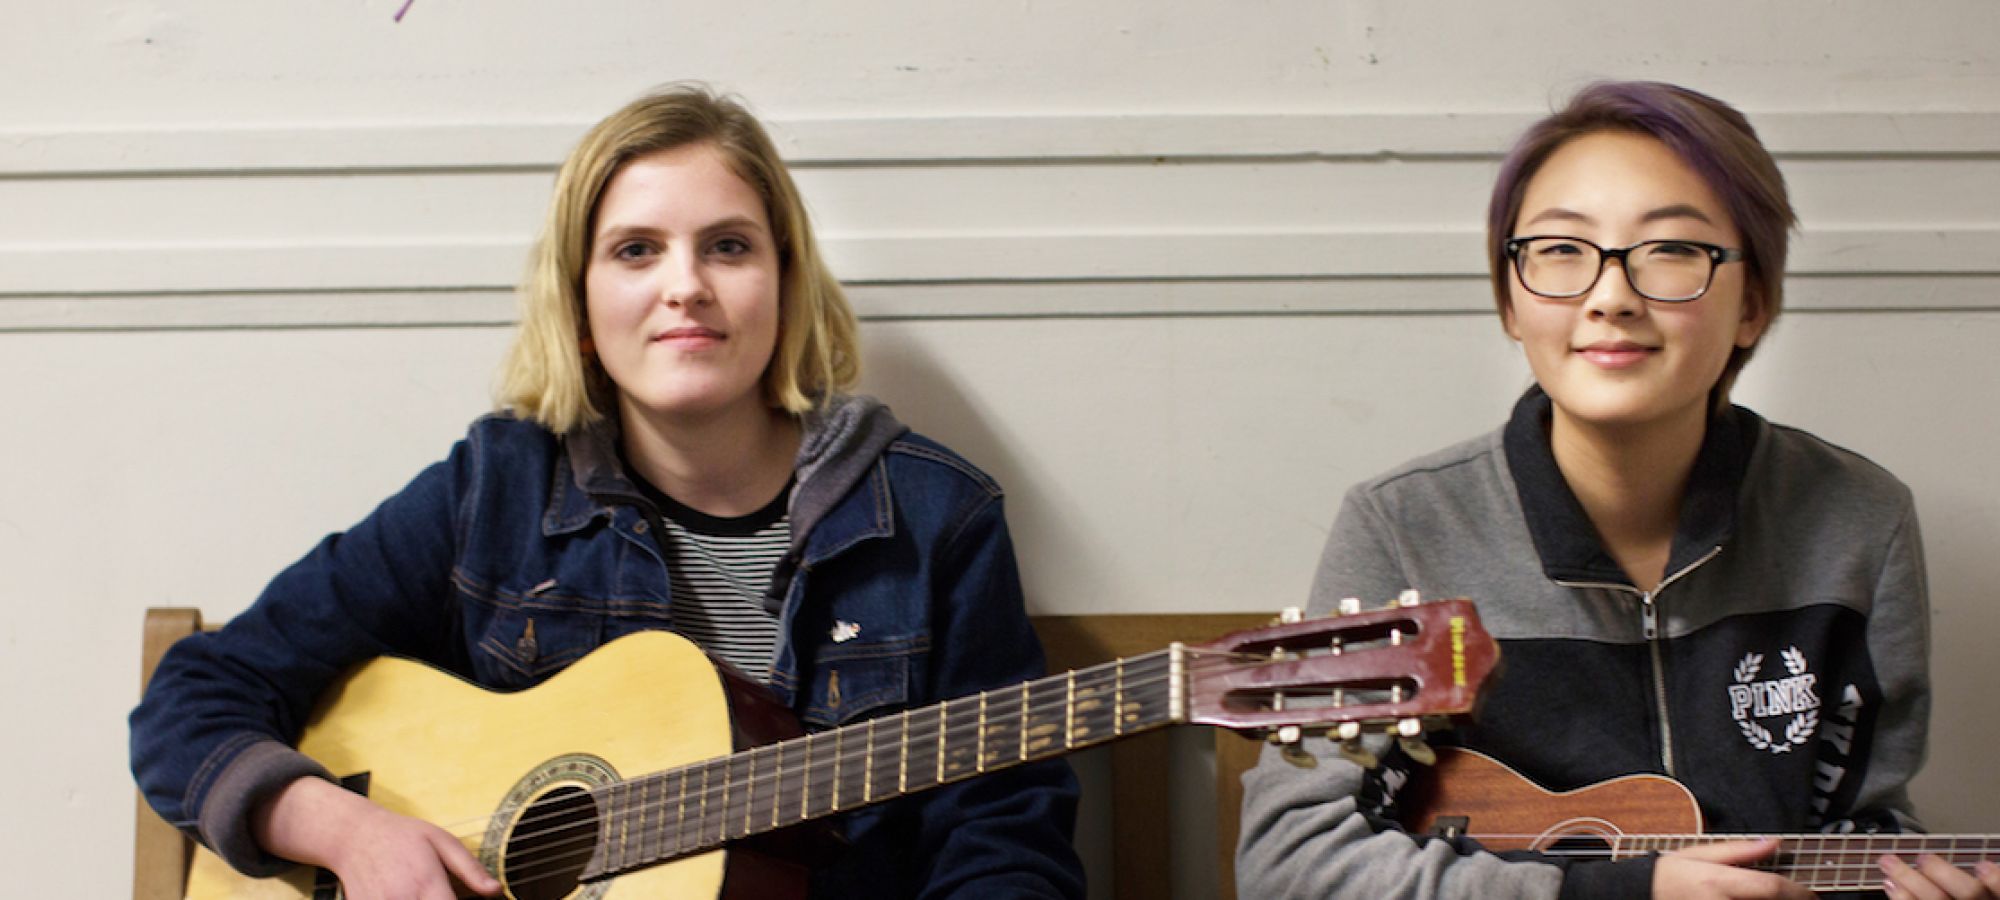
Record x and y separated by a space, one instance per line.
1358 754
1291 615
1409 597
1288 739
1418 749
1348 734
1350 606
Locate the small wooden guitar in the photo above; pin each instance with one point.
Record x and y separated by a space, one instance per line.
644 771
1472 794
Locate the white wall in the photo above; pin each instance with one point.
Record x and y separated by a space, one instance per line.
1176 273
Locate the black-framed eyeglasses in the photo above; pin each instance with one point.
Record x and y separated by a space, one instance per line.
1668 271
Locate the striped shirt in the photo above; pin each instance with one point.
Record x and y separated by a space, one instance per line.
721 568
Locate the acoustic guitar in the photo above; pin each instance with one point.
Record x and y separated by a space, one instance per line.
1470 794
644 770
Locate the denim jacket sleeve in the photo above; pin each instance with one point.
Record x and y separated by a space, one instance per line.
212 737
1008 834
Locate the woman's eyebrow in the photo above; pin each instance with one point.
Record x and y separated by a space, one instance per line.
1677 211
1560 213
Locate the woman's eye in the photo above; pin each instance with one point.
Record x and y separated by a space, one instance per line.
1558 248
631 250
730 246
1674 250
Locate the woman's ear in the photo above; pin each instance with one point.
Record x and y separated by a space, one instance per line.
1507 322
1756 318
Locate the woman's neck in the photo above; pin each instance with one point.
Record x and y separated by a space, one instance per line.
1630 480
728 464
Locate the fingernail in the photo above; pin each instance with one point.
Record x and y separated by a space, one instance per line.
1890 888
1986 867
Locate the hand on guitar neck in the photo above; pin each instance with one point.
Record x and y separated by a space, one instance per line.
1469 794
1716 870
376 853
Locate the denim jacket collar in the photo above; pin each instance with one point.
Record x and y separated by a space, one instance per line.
841 483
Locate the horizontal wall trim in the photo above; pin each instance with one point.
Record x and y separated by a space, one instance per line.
164 268
884 141
1449 295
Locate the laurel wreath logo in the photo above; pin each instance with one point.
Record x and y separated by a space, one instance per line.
1799 730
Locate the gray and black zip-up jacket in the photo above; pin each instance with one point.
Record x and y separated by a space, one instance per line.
1779 671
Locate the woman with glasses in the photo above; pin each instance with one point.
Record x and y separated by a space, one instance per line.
1681 587
676 450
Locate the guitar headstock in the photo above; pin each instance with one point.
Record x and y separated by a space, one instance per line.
1399 670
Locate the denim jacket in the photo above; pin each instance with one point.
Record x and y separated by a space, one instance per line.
523 551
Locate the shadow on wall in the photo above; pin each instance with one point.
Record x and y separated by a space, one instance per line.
902 373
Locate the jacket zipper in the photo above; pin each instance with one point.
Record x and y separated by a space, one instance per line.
1649 621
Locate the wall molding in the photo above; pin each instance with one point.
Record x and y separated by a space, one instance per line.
340 147
497 263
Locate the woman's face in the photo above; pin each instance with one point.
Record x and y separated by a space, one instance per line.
681 289
1612 358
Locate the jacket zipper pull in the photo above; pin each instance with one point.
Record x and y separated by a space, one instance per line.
1648 616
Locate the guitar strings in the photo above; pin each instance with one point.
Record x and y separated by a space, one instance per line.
1840 866
918 727
911 727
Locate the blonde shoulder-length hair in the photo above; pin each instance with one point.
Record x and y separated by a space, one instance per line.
549 378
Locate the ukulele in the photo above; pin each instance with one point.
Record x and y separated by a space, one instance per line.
1467 793
645 770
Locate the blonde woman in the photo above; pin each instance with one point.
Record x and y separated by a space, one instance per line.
675 450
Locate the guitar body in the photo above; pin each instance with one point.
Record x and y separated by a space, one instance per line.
446 751
1505 811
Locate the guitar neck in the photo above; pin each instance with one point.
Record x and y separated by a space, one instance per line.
695 808
1830 862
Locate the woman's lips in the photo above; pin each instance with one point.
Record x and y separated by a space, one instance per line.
1616 354
693 337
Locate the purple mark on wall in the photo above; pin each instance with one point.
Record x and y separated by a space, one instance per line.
406 8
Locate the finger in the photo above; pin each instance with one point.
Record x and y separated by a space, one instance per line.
1906 883
1954 881
1989 875
1732 853
462 865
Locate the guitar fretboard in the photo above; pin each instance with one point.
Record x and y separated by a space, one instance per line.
1830 862
678 812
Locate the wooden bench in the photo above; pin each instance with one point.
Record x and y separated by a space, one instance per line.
1142 801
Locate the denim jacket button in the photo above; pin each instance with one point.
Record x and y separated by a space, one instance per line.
526 647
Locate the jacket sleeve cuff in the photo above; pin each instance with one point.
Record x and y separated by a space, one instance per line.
251 778
1603 878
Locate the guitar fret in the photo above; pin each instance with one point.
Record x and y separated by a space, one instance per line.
680 816
868 765
1069 710
1024 720
1118 697
940 741
805 783
903 768
837 742
980 758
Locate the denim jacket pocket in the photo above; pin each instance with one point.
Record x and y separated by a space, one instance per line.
518 639
855 681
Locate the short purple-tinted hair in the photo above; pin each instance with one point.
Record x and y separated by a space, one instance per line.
1710 136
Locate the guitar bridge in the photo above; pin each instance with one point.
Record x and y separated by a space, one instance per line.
1450 827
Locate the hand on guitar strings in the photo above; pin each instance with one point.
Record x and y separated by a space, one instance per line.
1715 871
377 854
1934 879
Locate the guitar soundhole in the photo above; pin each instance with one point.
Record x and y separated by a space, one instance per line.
550 845
1583 846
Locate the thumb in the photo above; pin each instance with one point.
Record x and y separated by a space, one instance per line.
464 866
1731 853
